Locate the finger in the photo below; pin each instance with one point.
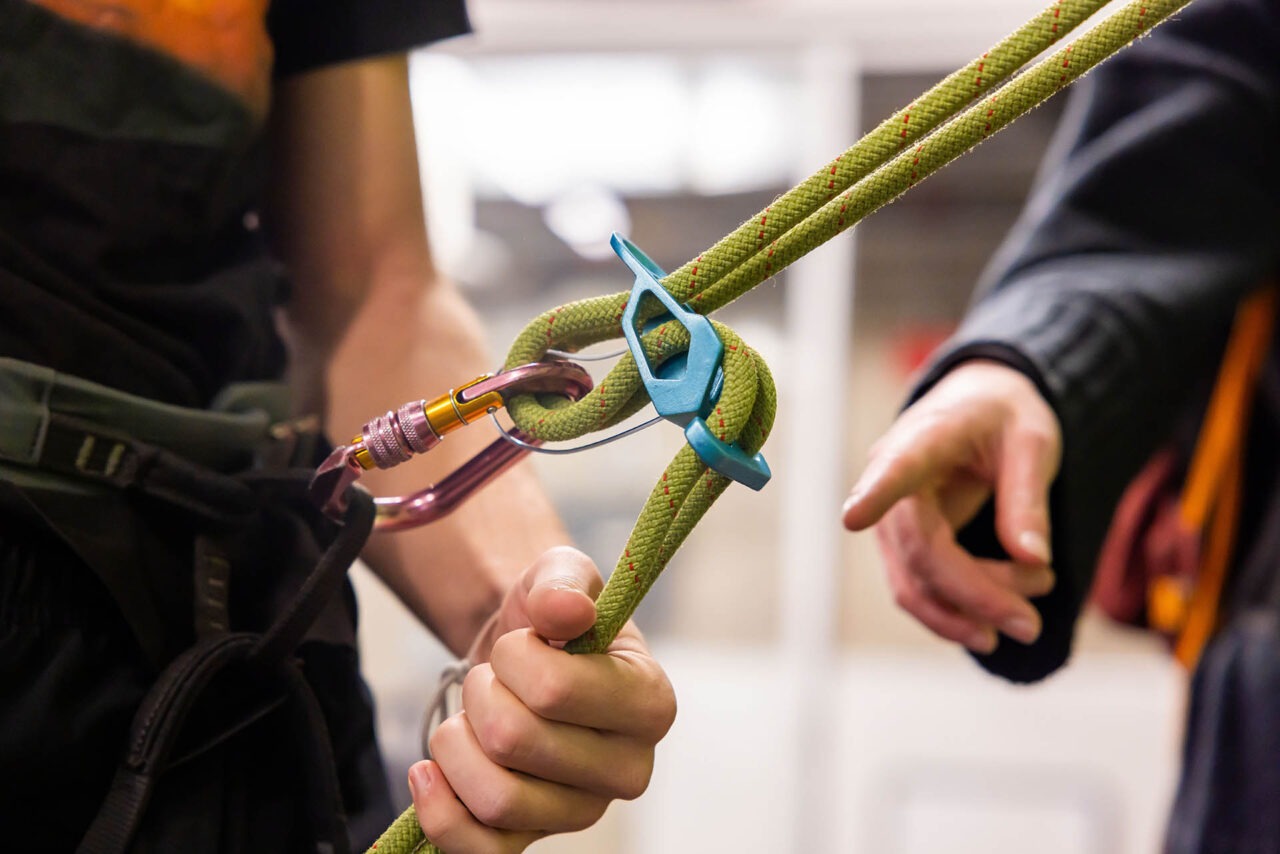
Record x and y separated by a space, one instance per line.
1028 463
1025 579
962 497
447 823
511 735
626 693
505 799
912 596
902 463
561 589
928 550
936 616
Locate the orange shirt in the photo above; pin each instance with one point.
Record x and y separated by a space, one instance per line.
226 40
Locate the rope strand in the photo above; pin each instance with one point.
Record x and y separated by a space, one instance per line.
955 115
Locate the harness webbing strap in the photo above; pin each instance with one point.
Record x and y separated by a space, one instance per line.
167 708
954 116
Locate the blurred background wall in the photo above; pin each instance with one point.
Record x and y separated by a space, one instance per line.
814 716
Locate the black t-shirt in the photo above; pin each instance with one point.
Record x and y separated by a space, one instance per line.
131 165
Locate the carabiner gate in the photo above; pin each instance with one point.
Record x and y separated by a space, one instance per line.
418 426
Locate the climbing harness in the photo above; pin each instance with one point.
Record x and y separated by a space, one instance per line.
162 504
699 373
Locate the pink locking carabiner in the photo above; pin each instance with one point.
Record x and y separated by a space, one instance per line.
418 426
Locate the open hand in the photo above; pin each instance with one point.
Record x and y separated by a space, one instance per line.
983 428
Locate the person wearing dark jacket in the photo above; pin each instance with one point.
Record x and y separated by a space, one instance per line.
1100 321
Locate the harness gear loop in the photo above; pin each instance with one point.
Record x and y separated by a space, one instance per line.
951 118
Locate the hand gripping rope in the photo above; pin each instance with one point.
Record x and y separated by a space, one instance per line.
956 114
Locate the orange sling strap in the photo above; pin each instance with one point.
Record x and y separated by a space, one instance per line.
1209 505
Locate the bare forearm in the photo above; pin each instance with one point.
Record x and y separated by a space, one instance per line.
370 327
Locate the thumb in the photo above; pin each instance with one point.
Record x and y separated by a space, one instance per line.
1028 464
562 586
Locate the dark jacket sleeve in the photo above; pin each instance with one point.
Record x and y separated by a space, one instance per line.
310 34
1157 209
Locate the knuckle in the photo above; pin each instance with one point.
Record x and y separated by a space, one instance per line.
504 649
589 814
658 712
633 777
444 735
476 680
497 807
433 823
1040 440
566 554
664 716
551 695
503 740
1035 435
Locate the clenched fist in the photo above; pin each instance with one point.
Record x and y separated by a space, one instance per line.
545 739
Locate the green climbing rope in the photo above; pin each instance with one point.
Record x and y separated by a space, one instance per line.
952 117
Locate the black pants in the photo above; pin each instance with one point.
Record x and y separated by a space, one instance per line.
1228 800
72 676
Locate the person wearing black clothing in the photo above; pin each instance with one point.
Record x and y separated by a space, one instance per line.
1102 319
184 188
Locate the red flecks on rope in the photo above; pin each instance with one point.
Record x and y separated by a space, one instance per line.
551 319
977 84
